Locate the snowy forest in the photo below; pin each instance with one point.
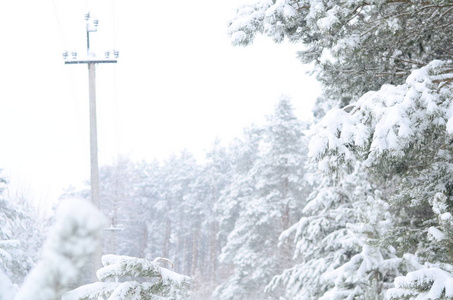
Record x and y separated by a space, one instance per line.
356 204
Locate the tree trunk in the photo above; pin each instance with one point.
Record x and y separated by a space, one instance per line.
195 240
213 251
167 240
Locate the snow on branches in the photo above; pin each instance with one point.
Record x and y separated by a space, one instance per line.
163 283
74 238
390 144
7 289
369 42
385 123
432 281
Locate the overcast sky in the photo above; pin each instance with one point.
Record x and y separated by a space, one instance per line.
178 84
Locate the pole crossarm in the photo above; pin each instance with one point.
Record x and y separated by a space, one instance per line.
91 61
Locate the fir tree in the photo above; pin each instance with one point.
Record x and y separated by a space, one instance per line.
356 46
273 188
397 136
161 283
70 245
20 237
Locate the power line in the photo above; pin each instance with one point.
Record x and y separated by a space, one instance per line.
115 84
74 92
59 24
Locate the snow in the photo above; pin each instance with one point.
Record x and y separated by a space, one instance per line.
70 244
386 121
331 19
4 256
445 216
450 119
163 283
91 291
116 266
436 234
428 283
7 289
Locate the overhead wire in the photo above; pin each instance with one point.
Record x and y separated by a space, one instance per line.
74 93
74 90
115 83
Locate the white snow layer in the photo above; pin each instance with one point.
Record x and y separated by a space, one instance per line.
385 121
427 283
7 289
117 267
70 245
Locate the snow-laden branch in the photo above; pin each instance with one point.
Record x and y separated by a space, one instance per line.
69 247
116 266
163 283
427 283
385 123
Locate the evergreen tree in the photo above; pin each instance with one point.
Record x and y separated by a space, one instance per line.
399 136
335 256
169 285
121 203
274 187
356 46
71 243
169 210
150 191
214 176
430 280
20 238
243 153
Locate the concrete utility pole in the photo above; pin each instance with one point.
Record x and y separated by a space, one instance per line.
91 61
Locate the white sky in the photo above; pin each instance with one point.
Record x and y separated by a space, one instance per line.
178 84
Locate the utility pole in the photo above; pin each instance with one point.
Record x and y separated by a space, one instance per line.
91 61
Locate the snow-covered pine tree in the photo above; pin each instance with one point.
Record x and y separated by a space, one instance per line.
211 180
407 132
369 273
13 258
399 135
70 245
167 214
121 203
244 153
402 133
150 191
178 173
431 280
274 188
356 46
116 284
335 257
20 237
